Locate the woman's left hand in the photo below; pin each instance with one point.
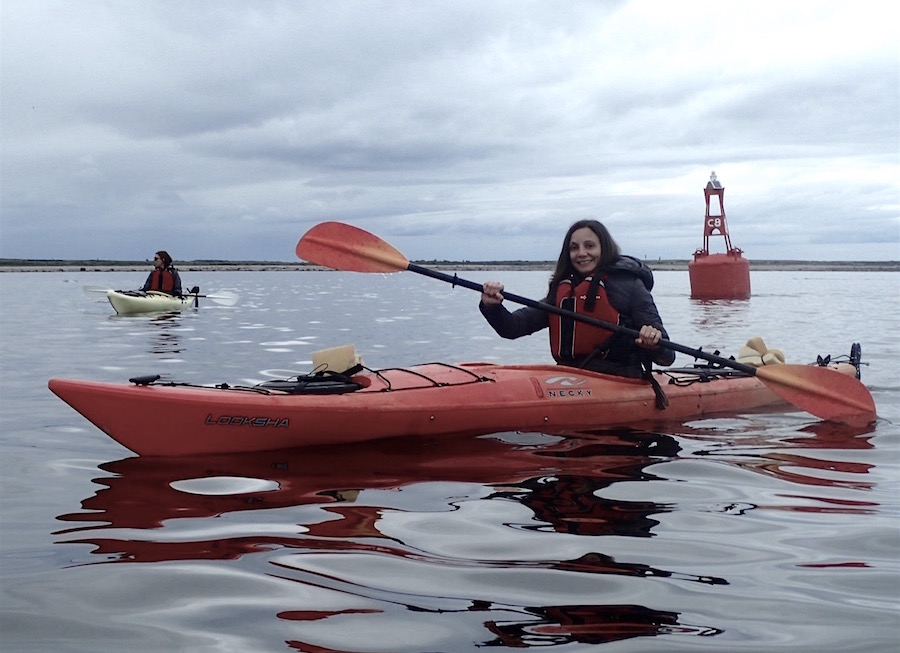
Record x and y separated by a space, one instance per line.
649 337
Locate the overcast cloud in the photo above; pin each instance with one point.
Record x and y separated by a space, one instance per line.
464 130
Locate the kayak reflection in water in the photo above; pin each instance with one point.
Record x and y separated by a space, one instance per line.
592 278
164 277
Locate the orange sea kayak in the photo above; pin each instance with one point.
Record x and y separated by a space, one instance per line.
155 418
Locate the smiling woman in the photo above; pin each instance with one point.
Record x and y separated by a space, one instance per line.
591 279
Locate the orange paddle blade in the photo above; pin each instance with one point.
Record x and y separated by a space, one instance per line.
824 392
345 247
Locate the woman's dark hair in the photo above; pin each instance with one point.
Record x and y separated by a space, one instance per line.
609 250
164 256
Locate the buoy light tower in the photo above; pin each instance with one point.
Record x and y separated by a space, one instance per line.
718 276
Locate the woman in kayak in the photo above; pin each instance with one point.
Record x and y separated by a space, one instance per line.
594 279
164 277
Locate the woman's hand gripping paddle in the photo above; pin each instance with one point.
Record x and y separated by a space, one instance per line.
823 392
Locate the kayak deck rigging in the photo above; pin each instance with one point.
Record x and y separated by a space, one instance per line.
338 383
334 382
329 382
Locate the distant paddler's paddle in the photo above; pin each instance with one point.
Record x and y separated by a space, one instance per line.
225 298
823 392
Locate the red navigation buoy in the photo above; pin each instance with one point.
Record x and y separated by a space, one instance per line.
718 276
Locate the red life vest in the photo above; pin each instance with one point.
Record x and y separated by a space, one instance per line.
571 340
162 280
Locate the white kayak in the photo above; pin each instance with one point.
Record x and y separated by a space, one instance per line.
135 302
128 302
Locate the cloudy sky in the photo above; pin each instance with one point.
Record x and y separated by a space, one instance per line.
465 130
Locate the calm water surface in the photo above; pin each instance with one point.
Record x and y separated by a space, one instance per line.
746 533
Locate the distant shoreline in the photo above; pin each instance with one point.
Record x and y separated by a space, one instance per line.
28 265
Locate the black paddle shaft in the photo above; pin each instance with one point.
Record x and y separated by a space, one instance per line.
550 308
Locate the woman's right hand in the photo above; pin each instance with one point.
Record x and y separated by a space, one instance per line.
491 293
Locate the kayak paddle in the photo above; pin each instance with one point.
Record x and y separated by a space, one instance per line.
823 392
225 297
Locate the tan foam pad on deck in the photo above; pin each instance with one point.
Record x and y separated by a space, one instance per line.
336 359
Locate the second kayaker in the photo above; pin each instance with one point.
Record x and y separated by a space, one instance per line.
164 277
591 278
